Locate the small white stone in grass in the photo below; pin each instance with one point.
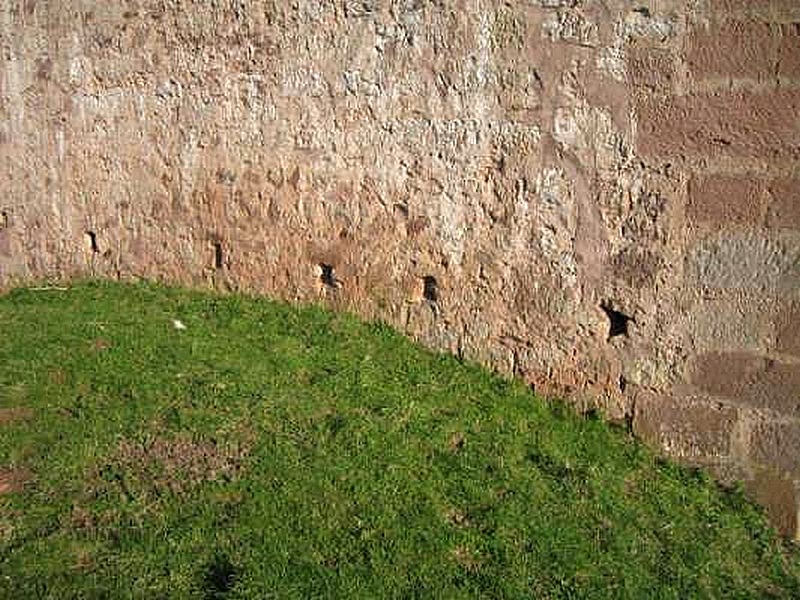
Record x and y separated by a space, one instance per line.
178 324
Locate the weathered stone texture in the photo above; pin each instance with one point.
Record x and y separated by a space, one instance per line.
781 498
788 323
693 429
778 443
743 125
652 68
750 379
565 190
724 201
789 52
747 262
733 49
784 207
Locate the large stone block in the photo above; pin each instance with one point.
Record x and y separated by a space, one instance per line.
777 444
784 202
734 49
737 322
651 67
788 329
736 124
721 201
689 428
781 499
789 51
765 9
749 262
750 380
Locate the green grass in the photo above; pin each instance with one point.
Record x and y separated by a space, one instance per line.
269 451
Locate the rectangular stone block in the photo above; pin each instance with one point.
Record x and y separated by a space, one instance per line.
749 262
737 322
781 499
721 201
784 202
777 444
789 51
692 429
738 124
734 49
650 67
788 330
774 9
749 380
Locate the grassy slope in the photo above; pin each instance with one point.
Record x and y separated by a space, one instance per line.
269 451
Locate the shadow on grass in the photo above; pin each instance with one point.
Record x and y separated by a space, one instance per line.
219 579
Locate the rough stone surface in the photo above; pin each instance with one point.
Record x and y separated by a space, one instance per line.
743 125
778 443
788 322
750 379
748 262
572 177
652 68
733 49
693 429
789 52
740 323
721 202
784 208
780 497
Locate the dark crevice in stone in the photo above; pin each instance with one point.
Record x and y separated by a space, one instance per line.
219 256
91 241
430 289
327 276
617 321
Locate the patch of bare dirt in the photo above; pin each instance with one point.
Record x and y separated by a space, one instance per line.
151 467
457 518
466 558
12 480
457 442
100 344
11 415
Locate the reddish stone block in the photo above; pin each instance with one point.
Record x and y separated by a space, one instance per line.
777 444
691 429
744 261
761 8
724 201
750 380
742 322
789 51
726 374
784 206
779 496
651 68
736 49
734 124
788 326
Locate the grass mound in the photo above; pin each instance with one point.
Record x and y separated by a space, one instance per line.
163 443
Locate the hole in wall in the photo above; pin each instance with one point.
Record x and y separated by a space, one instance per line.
617 321
430 288
327 276
90 239
4 220
219 256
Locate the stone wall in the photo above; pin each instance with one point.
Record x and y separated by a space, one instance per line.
600 197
